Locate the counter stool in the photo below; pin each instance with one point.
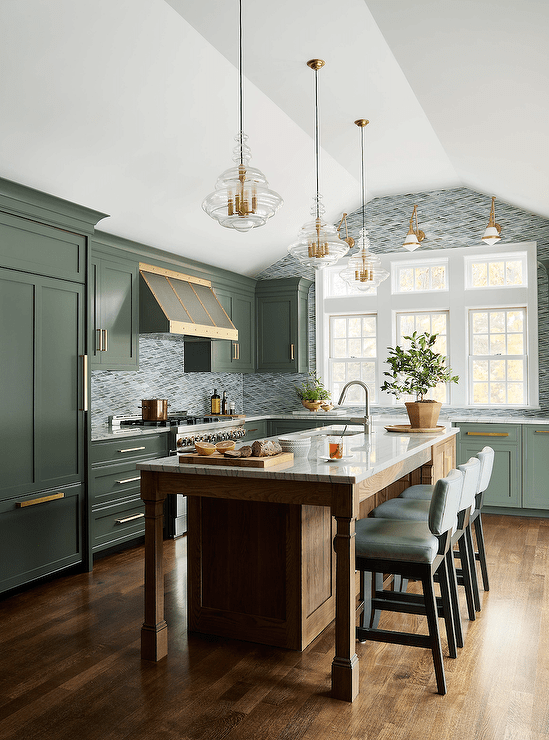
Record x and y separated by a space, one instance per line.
424 492
414 550
418 510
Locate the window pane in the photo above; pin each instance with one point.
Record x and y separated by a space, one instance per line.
369 348
480 392
338 372
368 372
515 344
515 393
340 348
339 327
355 347
497 370
497 321
406 325
480 274
480 345
497 344
515 370
423 324
480 370
354 328
369 326
497 392
496 272
438 278
422 278
514 272
405 279
515 321
480 323
356 342
439 323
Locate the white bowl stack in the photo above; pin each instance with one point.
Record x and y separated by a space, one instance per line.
300 446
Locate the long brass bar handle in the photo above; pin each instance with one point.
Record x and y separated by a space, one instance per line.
487 434
129 519
238 350
41 500
292 352
234 357
132 449
84 382
105 334
541 431
98 340
129 480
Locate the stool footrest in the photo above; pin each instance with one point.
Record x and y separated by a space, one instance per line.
398 638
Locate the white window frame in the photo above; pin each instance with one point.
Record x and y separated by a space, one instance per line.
430 263
458 300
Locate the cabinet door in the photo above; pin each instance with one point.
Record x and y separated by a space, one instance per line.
114 314
505 483
282 323
41 343
536 467
243 351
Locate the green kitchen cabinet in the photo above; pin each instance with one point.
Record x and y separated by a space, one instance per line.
282 325
117 511
114 312
287 426
223 355
535 441
505 489
256 430
42 383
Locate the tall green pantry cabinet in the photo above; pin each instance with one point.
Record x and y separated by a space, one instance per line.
43 383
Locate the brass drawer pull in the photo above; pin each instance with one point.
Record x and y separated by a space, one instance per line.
129 519
488 434
292 357
133 449
129 480
541 431
42 500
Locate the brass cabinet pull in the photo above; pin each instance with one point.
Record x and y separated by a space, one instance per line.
238 350
541 431
292 352
104 332
129 519
488 434
129 480
84 382
98 340
132 449
42 500
235 351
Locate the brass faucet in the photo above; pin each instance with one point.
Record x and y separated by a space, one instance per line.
366 420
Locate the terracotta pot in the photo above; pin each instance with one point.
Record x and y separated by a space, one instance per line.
312 405
423 414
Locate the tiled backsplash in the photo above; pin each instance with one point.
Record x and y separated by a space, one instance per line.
449 218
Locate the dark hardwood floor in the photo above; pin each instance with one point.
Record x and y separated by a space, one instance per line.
70 664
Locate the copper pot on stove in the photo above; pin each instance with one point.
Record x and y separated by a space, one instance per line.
154 409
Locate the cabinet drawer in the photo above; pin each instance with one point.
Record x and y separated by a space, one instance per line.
256 430
490 434
118 523
129 448
113 482
40 533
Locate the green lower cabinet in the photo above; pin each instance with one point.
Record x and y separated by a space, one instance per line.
41 535
256 430
535 440
287 426
117 511
505 489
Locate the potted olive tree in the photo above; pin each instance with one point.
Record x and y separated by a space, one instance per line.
414 371
312 393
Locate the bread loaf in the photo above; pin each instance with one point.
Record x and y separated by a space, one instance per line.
265 448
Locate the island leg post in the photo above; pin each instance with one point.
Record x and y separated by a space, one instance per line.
154 633
345 671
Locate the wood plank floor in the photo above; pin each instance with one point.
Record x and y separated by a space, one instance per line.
70 665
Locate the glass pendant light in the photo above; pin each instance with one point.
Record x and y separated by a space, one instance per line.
364 270
319 244
242 199
492 234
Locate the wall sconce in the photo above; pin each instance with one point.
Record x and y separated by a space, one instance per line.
414 235
349 239
493 230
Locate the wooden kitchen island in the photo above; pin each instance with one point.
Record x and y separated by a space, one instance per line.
271 551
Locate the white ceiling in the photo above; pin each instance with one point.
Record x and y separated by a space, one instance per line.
130 107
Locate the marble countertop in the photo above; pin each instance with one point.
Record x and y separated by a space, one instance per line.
364 456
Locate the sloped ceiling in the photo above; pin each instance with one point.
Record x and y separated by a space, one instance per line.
130 107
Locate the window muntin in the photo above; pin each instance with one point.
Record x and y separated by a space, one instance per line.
353 355
505 271
339 287
497 359
419 276
432 322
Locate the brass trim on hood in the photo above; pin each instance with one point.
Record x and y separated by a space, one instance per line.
188 306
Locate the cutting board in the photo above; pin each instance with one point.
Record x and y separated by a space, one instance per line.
241 462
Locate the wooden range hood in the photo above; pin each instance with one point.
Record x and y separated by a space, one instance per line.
181 304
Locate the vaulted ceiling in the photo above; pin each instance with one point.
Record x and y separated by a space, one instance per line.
130 107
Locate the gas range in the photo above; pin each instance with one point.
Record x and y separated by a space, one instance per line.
185 428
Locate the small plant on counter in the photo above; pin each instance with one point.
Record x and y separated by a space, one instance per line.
414 371
312 389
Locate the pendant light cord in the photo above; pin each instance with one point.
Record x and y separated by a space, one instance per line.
240 84
317 146
363 181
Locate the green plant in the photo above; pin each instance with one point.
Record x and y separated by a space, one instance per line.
414 371
312 389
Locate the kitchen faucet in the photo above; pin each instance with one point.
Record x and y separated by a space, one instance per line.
366 420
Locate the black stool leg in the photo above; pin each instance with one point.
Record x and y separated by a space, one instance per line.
472 566
466 575
444 581
434 636
454 597
481 557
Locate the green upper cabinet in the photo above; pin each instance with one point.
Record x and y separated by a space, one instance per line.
535 440
114 312
223 355
282 325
